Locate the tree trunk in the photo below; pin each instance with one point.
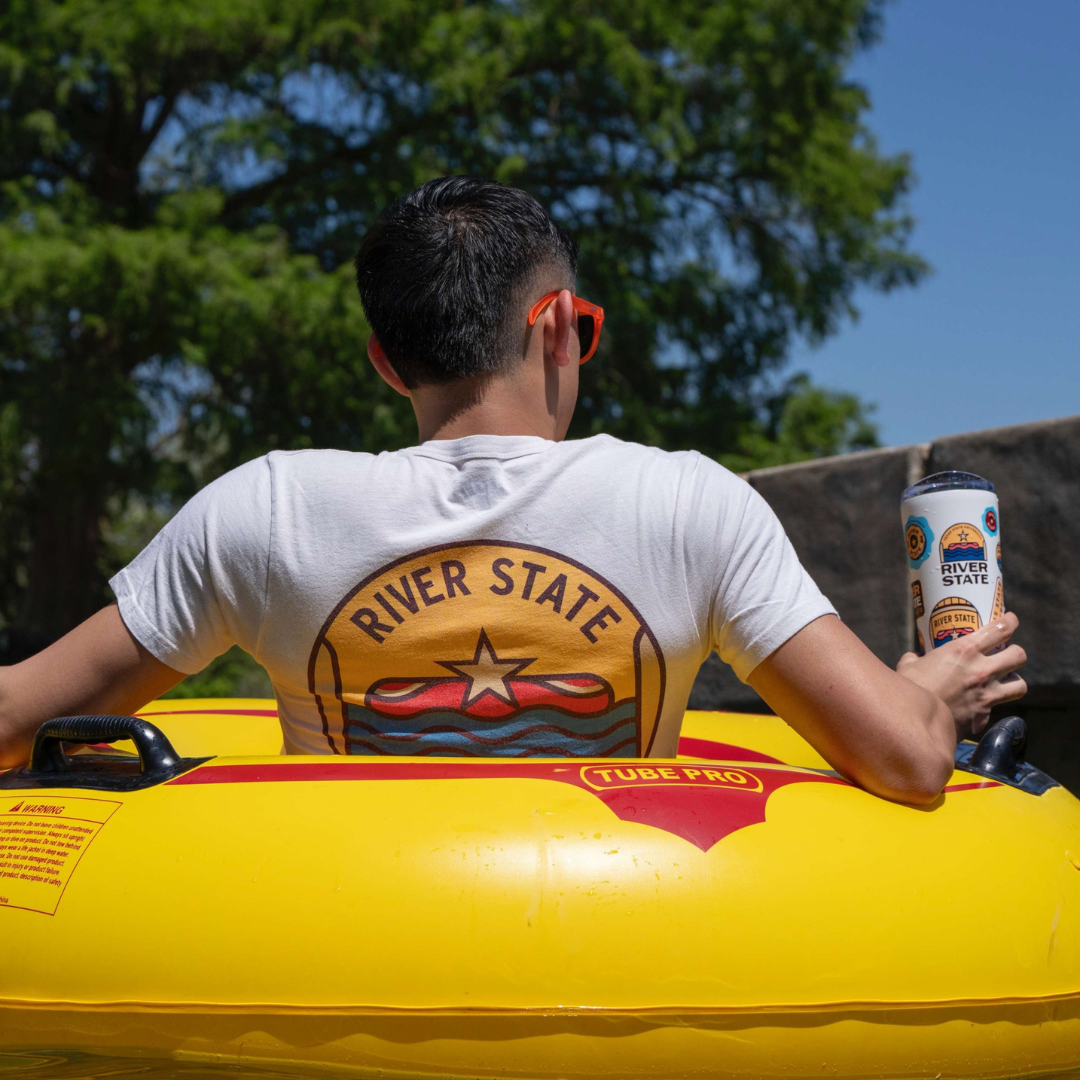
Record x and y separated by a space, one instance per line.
64 563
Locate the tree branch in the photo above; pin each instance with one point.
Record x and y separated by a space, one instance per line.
166 110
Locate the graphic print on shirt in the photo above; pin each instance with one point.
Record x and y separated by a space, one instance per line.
487 648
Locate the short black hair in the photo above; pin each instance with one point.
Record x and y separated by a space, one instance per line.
441 271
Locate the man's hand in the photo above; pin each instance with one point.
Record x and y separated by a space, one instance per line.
965 675
97 668
879 729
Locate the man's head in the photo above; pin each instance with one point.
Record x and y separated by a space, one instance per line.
447 277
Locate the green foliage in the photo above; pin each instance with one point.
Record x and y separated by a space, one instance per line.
182 183
804 421
141 362
233 674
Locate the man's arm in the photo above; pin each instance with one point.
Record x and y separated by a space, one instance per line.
874 726
97 668
893 733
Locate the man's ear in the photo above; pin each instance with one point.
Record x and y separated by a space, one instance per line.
557 319
383 366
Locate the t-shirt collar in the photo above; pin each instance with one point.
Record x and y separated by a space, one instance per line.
482 446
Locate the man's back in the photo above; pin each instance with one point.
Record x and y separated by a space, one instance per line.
492 590
484 595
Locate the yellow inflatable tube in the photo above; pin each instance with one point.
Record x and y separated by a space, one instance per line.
738 912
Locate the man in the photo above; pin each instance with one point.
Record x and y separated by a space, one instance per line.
495 590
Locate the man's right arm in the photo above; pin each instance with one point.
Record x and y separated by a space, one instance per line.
893 734
880 730
98 667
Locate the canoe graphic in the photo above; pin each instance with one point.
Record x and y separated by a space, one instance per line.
576 695
489 705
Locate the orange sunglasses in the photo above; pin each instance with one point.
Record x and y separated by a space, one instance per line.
590 319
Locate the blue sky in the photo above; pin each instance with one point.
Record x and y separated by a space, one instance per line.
986 97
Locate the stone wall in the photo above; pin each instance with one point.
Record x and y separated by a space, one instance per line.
843 517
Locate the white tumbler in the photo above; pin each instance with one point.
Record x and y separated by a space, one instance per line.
953 537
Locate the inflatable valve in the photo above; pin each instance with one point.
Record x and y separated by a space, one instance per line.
51 767
999 755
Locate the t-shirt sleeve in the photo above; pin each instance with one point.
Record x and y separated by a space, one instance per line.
760 594
199 586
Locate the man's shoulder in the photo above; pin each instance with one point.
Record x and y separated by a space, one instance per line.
313 462
313 457
626 453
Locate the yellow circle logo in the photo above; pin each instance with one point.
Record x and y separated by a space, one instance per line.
916 541
487 648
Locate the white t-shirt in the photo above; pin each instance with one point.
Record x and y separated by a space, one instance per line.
485 595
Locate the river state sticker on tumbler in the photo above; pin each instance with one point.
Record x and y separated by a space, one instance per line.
953 618
999 601
919 537
962 542
917 599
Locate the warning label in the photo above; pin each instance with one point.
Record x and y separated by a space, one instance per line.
41 843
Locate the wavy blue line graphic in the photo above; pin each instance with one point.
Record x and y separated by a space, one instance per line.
536 732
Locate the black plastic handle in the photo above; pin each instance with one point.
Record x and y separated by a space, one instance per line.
1001 749
156 753
1000 756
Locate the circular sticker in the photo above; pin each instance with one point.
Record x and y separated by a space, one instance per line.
916 541
990 521
918 535
962 542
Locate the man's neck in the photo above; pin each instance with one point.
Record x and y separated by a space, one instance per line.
484 406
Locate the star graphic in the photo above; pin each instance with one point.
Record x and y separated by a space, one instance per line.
963 536
486 672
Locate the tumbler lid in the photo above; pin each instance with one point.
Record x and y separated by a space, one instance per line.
947 481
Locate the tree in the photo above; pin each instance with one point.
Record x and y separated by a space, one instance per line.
137 362
802 421
184 181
